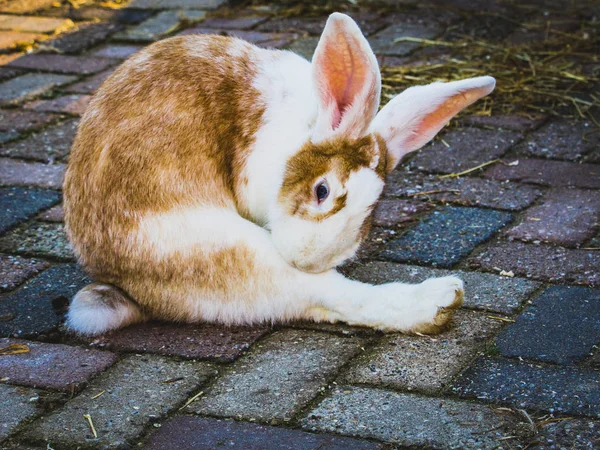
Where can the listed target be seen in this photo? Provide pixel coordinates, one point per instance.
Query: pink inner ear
(345, 69)
(433, 122)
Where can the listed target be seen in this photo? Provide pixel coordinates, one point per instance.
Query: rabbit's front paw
(441, 297)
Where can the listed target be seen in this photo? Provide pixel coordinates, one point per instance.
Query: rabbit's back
(170, 128)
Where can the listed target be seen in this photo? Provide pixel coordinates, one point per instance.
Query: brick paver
(19, 204)
(560, 140)
(461, 190)
(541, 262)
(408, 420)
(18, 120)
(35, 307)
(567, 217)
(30, 85)
(189, 433)
(424, 363)
(14, 270)
(17, 407)
(52, 366)
(560, 326)
(160, 25)
(282, 375)
(90, 84)
(517, 368)
(548, 173)
(445, 237)
(19, 173)
(80, 65)
(49, 145)
(70, 104)
(38, 239)
(205, 341)
(558, 389)
(137, 390)
(83, 37)
(463, 149)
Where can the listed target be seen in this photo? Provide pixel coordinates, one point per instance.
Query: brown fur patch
(169, 128)
(341, 156)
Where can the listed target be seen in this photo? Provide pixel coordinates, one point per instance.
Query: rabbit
(212, 180)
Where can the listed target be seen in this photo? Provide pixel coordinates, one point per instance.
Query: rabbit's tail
(99, 308)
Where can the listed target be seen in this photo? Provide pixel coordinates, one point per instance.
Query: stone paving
(518, 369)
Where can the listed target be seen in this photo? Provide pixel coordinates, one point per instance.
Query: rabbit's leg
(244, 279)
(421, 308)
(101, 307)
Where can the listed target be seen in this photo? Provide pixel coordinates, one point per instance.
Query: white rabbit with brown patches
(211, 180)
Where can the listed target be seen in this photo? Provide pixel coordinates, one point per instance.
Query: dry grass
(554, 75)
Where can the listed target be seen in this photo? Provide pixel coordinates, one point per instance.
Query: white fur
(89, 315)
(280, 244)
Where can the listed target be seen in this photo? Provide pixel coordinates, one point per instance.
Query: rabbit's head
(333, 182)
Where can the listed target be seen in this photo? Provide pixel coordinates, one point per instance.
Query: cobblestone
(187, 432)
(30, 85)
(52, 366)
(80, 65)
(446, 236)
(12, 39)
(408, 420)
(461, 191)
(177, 4)
(237, 23)
(128, 16)
(32, 24)
(85, 36)
(14, 270)
(89, 85)
(305, 47)
(203, 341)
(35, 308)
(13, 120)
(423, 363)
(282, 375)
(19, 204)
(560, 140)
(482, 290)
(557, 389)
(49, 145)
(466, 148)
(38, 239)
(135, 395)
(569, 433)
(17, 408)
(18, 173)
(70, 104)
(560, 265)
(390, 213)
(160, 25)
(567, 217)
(54, 214)
(548, 173)
(6, 73)
(561, 326)
(117, 51)
(24, 6)
(515, 123)
(384, 42)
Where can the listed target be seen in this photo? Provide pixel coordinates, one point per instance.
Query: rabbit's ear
(414, 117)
(346, 75)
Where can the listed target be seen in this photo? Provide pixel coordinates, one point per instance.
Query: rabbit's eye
(321, 191)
